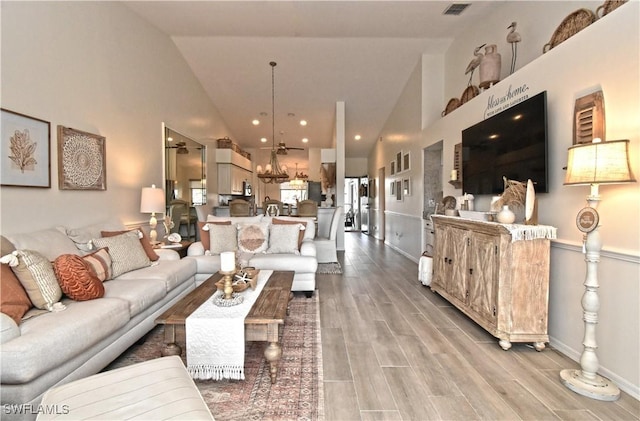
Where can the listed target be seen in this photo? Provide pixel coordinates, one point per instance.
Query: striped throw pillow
(100, 263)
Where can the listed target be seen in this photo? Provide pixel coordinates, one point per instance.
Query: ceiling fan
(182, 147)
(283, 148)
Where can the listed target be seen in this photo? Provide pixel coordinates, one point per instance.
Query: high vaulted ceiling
(359, 52)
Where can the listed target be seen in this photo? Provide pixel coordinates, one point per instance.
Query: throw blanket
(215, 336)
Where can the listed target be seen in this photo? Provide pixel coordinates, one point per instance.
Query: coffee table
(263, 323)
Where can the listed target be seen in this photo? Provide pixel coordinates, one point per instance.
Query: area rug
(329, 268)
(298, 392)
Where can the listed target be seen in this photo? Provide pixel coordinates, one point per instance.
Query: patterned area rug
(298, 392)
(329, 268)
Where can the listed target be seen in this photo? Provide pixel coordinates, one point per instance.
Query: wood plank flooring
(394, 350)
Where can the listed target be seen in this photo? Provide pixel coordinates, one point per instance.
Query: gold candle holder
(228, 284)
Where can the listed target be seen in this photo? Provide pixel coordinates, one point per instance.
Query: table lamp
(594, 164)
(152, 201)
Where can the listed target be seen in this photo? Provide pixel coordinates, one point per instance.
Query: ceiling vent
(456, 9)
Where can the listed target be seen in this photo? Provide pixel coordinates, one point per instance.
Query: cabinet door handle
(470, 271)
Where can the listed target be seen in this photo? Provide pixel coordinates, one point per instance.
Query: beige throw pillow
(222, 238)
(126, 252)
(36, 275)
(283, 238)
(253, 238)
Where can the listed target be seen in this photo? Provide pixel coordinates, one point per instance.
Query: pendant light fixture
(299, 180)
(273, 172)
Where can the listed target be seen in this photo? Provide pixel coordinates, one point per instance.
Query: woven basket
(608, 7)
(570, 26)
(451, 105)
(470, 92)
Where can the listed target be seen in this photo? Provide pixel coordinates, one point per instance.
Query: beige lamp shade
(152, 200)
(599, 163)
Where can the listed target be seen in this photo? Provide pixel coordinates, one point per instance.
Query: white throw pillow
(222, 238)
(126, 252)
(253, 238)
(283, 238)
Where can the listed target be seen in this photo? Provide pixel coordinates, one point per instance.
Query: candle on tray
(228, 261)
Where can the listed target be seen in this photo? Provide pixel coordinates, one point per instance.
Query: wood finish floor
(394, 350)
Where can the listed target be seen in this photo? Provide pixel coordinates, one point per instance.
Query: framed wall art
(392, 167)
(81, 160)
(398, 189)
(25, 151)
(406, 186)
(392, 188)
(399, 162)
(406, 161)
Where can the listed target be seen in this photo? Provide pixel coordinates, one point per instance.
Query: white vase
(506, 215)
(490, 66)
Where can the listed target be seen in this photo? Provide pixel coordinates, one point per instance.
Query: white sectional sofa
(54, 348)
(304, 263)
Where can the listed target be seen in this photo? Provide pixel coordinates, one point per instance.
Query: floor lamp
(152, 201)
(593, 164)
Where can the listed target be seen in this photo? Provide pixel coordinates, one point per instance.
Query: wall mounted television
(512, 143)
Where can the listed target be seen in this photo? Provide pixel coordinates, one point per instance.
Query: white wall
(96, 67)
(591, 60)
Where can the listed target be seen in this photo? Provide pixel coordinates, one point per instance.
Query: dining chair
(239, 207)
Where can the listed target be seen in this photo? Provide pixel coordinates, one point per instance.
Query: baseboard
(624, 385)
(402, 252)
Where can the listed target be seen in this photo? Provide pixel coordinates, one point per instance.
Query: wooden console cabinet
(503, 285)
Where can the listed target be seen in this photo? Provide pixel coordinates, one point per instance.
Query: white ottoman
(159, 389)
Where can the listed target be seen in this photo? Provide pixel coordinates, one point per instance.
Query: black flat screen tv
(512, 143)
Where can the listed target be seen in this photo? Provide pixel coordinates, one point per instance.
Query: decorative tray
(242, 280)
(570, 26)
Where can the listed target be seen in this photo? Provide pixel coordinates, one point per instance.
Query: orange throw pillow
(76, 278)
(145, 241)
(205, 239)
(277, 221)
(14, 301)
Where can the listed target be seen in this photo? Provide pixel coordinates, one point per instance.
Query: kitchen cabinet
(230, 179)
(502, 285)
(233, 170)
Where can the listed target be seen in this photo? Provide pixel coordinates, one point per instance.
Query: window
(198, 192)
(292, 195)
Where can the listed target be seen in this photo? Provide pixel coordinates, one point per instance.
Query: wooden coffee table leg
(170, 346)
(272, 353)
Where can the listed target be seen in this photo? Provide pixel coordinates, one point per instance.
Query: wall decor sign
(25, 150)
(392, 167)
(392, 188)
(81, 160)
(399, 162)
(511, 97)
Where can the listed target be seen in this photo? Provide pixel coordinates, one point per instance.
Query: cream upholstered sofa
(301, 259)
(56, 347)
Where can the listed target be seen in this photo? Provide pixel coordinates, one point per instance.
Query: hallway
(394, 350)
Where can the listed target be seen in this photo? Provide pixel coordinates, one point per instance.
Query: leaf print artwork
(23, 151)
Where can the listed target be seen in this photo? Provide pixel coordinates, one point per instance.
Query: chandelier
(273, 172)
(299, 180)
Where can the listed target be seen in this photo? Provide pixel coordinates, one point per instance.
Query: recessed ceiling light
(517, 116)
(170, 139)
(305, 140)
(255, 122)
(303, 122)
(357, 137)
(493, 136)
(263, 140)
